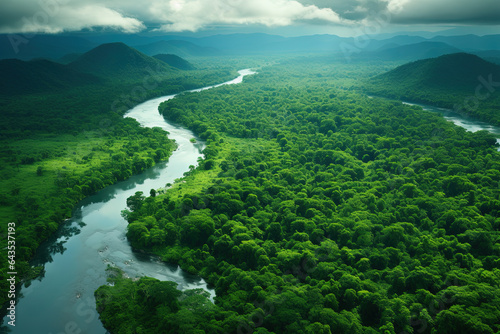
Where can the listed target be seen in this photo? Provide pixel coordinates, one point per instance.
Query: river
(76, 256)
(464, 121)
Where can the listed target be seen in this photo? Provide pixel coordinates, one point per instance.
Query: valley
(304, 205)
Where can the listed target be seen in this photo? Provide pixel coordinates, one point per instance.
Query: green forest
(318, 210)
(61, 144)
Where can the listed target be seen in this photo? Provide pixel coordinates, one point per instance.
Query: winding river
(76, 257)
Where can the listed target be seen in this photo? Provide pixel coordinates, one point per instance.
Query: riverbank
(465, 121)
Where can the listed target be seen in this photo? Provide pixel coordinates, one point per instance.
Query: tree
(135, 201)
(196, 227)
(317, 328)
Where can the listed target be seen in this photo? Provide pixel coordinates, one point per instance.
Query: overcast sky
(346, 17)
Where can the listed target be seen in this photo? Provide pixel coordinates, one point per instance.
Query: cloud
(449, 11)
(416, 11)
(192, 15)
(54, 16)
(354, 10)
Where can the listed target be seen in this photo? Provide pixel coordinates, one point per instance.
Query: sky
(285, 17)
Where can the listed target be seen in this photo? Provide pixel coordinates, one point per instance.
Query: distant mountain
(70, 57)
(395, 41)
(471, 43)
(117, 60)
(175, 61)
(241, 43)
(314, 43)
(416, 51)
(24, 77)
(453, 72)
(183, 49)
(41, 46)
(259, 43)
(492, 56)
(494, 60)
(478, 30)
(56, 46)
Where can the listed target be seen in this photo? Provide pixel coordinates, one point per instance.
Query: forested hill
(456, 72)
(117, 60)
(448, 81)
(175, 61)
(107, 62)
(21, 77)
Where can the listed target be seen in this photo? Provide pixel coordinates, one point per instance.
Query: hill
(415, 51)
(22, 77)
(175, 61)
(378, 44)
(183, 49)
(259, 43)
(68, 58)
(461, 81)
(117, 60)
(471, 43)
(456, 72)
(41, 46)
(492, 56)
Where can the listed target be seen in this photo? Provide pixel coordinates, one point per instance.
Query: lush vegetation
(149, 296)
(319, 210)
(60, 144)
(462, 82)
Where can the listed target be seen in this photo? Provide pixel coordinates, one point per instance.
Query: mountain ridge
(181, 48)
(175, 61)
(118, 60)
(450, 72)
(34, 76)
(416, 51)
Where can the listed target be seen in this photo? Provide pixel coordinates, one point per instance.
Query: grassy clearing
(199, 180)
(53, 156)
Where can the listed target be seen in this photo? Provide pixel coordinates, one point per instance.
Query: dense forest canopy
(319, 210)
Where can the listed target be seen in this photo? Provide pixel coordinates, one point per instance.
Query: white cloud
(449, 11)
(171, 15)
(396, 6)
(54, 16)
(192, 15)
(416, 11)
(88, 16)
